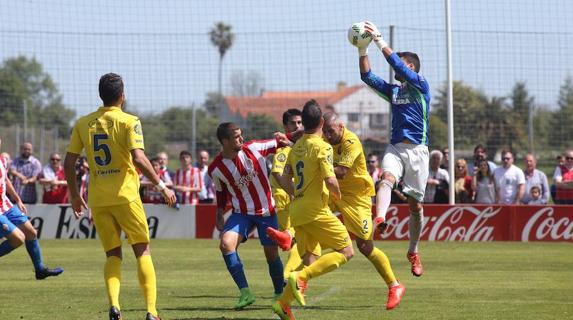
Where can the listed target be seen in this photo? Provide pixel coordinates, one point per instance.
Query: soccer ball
(357, 35)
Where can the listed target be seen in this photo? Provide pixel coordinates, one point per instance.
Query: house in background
(360, 108)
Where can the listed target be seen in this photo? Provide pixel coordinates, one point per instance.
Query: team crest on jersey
(281, 157)
(137, 129)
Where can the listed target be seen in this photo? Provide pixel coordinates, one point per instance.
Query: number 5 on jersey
(98, 145)
(299, 168)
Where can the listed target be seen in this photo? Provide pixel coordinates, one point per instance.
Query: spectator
(83, 176)
(535, 196)
(480, 153)
(207, 194)
(560, 162)
(187, 182)
(462, 183)
(483, 184)
(564, 180)
(164, 166)
(438, 180)
(446, 159)
(534, 177)
(24, 171)
(373, 168)
(509, 181)
(7, 157)
(148, 191)
(53, 179)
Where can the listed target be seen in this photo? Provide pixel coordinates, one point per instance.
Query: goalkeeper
(407, 155)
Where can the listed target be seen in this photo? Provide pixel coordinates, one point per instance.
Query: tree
(562, 123)
(522, 107)
(23, 83)
(213, 104)
(246, 84)
(260, 126)
(221, 37)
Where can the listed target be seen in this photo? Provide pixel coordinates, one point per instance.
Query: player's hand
(77, 205)
(22, 207)
(220, 223)
(282, 139)
(380, 224)
(169, 196)
(375, 34)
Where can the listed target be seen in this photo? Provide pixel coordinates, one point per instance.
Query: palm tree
(222, 37)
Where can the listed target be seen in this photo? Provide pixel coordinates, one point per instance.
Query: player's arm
(76, 199)
(351, 150)
(327, 171)
(145, 167)
(285, 179)
(222, 196)
(333, 187)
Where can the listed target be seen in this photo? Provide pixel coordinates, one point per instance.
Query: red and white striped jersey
(5, 203)
(188, 178)
(245, 178)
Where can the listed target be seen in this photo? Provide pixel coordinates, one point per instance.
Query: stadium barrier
(442, 223)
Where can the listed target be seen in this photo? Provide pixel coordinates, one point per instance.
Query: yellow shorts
(357, 214)
(129, 218)
(325, 232)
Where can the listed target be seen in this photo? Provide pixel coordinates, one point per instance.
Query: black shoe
(47, 272)
(114, 313)
(151, 317)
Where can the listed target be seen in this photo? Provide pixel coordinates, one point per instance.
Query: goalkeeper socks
(415, 228)
(382, 265)
(383, 198)
(293, 261)
(276, 272)
(235, 268)
(33, 248)
(324, 264)
(147, 282)
(5, 248)
(112, 276)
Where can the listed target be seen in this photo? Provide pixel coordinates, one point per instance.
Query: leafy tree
(562, 124)
(438, 133)
(213, 103)
(221, 37)
(260, 126)
(179, 122)
(522, 104)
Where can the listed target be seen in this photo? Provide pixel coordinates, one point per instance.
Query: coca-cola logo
(544, 226)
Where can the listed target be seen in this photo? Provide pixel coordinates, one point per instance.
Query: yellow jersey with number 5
(310, 161)
(108, 135)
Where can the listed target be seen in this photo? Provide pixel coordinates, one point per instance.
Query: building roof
(274, 103)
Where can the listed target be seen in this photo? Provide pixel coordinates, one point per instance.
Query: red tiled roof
(274, 103)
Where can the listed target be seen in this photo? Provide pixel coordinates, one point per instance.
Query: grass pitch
(461, 281)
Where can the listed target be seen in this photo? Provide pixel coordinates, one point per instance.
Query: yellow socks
(324, 264)
(112, 276)
(147, 282)
(293, 261)
(382, 265)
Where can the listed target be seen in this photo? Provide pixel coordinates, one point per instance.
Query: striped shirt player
(407, 157)
(188, 178)
(240, 172)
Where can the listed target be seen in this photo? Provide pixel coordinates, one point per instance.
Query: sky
(162, 49)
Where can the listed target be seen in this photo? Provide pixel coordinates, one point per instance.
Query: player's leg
(415, 177)
(236, 231)
(392, 168)
(271, 251)
(109, 234)
(14, 237)
(21, 220)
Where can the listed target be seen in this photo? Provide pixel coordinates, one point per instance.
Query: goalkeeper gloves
(375, 34)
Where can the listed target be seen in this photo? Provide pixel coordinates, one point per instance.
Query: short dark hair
(480, 146)
(154, 159)
(411, 57)
(290, 113)
(110, 88)
(311, 115)
(185, 153)
(225, 130)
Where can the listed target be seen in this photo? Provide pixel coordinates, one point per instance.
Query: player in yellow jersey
(357, 189)
(310, 163)
(113, 142)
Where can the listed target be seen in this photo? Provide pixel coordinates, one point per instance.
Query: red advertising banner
(458, 223)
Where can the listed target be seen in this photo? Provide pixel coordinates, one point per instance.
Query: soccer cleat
(282, 238)
(114, 313)
(149, 316)
(246, 299)
(283, 311)
(414, 259)
(47, 272)
(380, 224)
(395, 295)
(295, 286)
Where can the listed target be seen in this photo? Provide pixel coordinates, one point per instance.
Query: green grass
(461, 281)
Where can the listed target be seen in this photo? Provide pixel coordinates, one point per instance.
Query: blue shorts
(243, 223)
(10, 220)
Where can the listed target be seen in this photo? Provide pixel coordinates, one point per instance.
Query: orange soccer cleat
(283, 310)
(395, 295)
(282, 238)
(380, 225)
(414, 259)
